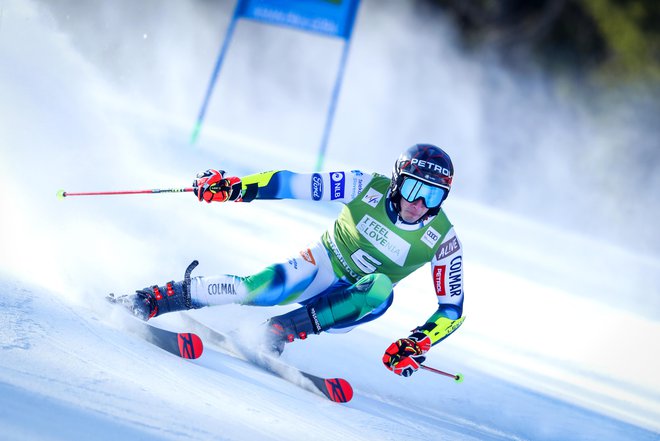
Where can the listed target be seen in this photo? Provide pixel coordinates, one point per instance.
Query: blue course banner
(329, 17)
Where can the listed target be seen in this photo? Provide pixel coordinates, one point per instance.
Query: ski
(338, 390)
(335, 389)
(183, 344)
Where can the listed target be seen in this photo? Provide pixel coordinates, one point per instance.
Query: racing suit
(369, 245)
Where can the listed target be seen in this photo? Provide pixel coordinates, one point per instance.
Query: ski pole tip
(61, 194)
(458, 378)
(195, 133)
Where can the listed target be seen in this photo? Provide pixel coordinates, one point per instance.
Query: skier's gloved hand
(404, 356)
(212, 186)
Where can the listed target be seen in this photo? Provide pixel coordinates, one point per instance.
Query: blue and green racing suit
(368, 242)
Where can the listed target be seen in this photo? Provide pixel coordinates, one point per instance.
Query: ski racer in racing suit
(388, 228)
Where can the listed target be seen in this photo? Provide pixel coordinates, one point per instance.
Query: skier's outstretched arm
(404, 356)
(341, 186)
(447, 273)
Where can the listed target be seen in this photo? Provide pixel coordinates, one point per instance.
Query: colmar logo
(221, 289)
(456, 276)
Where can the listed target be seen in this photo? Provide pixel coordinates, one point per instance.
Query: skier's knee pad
(371, 291)
(352, 304)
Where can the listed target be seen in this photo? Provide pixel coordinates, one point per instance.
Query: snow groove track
(99, 379)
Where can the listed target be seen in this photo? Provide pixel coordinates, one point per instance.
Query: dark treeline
(600, 60)
(599, 41)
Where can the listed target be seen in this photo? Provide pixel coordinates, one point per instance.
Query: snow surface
(544, 352)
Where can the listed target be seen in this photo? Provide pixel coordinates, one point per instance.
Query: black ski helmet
(426, 162)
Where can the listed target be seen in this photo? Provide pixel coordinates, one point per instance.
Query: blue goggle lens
(412, 189)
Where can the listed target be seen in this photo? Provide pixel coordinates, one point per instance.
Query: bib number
(367, 263)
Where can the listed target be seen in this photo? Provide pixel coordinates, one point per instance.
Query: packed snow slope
(560, 340)
(73, 372)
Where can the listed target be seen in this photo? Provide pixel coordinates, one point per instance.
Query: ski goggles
(413, 189)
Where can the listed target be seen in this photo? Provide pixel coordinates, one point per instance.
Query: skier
(388, 228)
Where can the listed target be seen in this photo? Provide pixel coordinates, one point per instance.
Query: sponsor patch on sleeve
(448, 248)
(338, 184)
(317, 187)
(358, 183)
(439, 280)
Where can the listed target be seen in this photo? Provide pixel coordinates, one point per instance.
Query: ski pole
(457, 377)
(63, 194)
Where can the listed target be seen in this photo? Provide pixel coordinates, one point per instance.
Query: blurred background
(548, 109)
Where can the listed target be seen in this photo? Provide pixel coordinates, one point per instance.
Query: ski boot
(285, 328)
(156, 300)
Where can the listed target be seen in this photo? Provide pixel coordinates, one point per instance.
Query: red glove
(212, 186)
(404, 356)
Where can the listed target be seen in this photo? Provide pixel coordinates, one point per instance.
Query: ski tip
(338, 390)
(190, 345)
